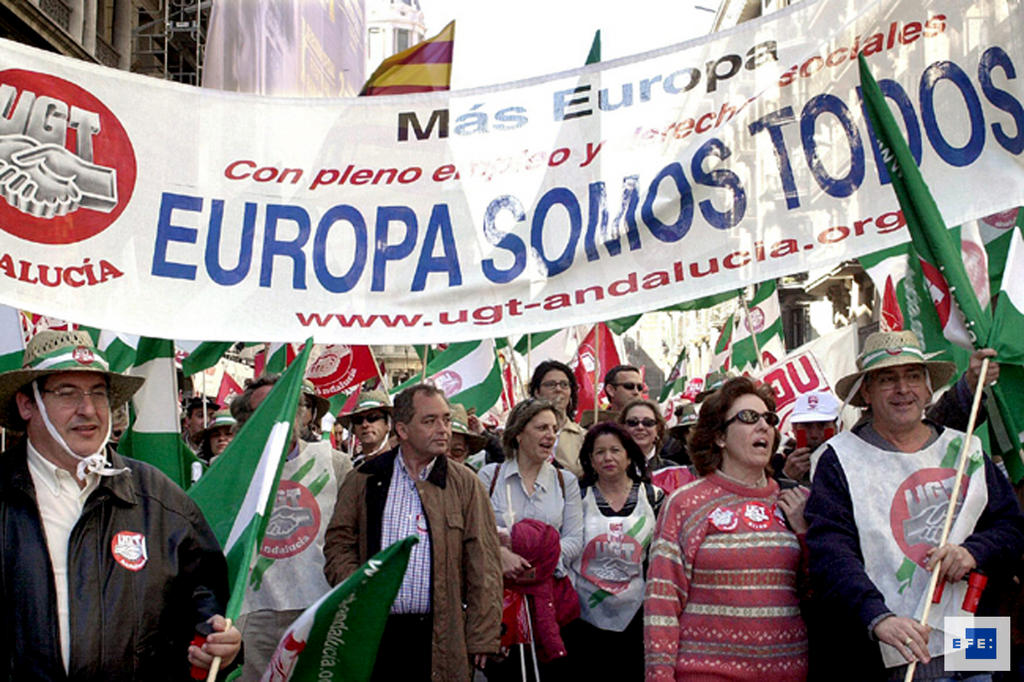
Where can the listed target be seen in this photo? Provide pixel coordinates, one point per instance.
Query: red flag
(229, 388)
(587, 366)
(341, 367)
(515, 619)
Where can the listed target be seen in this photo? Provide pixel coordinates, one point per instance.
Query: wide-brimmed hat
(50, 352)
(320, 405)
(712, 382)
(460, 424)
(220, 418)
(892, 349)
(686, 416)
(815, 406)
(367, 401)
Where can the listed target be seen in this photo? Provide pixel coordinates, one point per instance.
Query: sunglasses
(753, 416)
(630, 386)
(358, 419)
(646, 422)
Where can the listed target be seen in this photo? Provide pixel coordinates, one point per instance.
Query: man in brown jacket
(448, 610)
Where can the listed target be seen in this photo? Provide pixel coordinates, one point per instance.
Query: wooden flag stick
(750, 328)
(597, 365)
(215, 666)
(960, 468)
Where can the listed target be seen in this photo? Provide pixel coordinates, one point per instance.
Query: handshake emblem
(47, 180)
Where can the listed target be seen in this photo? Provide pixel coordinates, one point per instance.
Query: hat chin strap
(95, 463)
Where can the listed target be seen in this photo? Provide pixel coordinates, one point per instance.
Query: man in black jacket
(107, 567)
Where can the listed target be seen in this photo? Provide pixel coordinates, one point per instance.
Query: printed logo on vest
(67, 168)
(293, 524)
(129, 549)
(918, 510)
(612, 560)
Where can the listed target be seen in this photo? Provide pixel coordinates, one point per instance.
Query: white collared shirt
(60, 503)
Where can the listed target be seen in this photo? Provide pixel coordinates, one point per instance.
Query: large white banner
(151, 208)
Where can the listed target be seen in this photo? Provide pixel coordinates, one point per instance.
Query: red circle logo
(293, 524)
(612, 561)
(67, 168)
(83, 355)
(918, 510)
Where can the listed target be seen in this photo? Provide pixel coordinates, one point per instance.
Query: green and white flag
(155, 434)
(337, 637)
(556, 344)
(236, 494)
(119, 349)
(204, 355)
(675, 383)
(1008, 316)
(12, 339)
(763, 321)
(723, 347)
(467, 372)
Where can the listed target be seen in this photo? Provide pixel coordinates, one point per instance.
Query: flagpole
(382, 375)
(753, 334)
(426, 352)
(215, 665)
(529, 352)
(951, 508)
(597, 364)
(515, 367)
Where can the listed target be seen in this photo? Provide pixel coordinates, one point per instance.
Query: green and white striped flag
(204, 356)
(556, 344)
(120, 349)
(358, 608)
(764, 322)
(155, 434)
(675, 383)
(12, 339)
(467, 372)
(1008, 317)
(721, 360)
(236, 494)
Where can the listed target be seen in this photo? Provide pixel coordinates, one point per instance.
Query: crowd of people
(714, 549)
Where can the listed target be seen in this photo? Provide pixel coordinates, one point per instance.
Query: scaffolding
(170, 39)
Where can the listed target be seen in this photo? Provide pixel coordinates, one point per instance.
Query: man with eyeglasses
(370, 422)
(107, 568)
(878, 502)
(288, 576)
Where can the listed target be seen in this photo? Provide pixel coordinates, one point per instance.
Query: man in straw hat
(370, 422)
(107, 567)
(877, 506)
(289, 574)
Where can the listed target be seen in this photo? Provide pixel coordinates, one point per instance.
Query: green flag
(12, 340)
(337, 637)
(155, 433)
(762, 320)
(236, 494)
(675, 383)
(467, 372)
(723, 347)
(952, 292)
(205, 355)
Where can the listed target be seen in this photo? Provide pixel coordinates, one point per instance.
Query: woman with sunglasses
(646, 426)
(620, 506)
(728, 558)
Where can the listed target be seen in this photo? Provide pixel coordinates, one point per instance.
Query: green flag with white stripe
(237, 492)
(468, 373)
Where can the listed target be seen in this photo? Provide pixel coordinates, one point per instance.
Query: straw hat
(892, 349)
(460, 424)
(686, 417)
(320, 405)
(52, 351)
(368, 400)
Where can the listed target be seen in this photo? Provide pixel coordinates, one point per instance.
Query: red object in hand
(202, 631)
(937, 595)
(801, 436)
(976, 582)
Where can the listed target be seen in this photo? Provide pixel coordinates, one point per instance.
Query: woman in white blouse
(528, 486)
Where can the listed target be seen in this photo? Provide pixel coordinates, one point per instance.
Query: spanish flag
(424, 67)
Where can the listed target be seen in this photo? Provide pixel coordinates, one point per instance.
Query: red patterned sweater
(722, 601)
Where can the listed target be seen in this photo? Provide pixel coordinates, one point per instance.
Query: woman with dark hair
(555, 382)
(722, 591)
(214, 439)
(646, 426)
(619, 511)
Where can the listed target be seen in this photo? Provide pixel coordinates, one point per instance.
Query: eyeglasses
(358, 419)
(753, 416)
(630, 386)
(646, 422)
(69, 397)
(563, 384)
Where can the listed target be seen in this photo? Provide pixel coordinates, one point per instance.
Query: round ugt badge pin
(129, 550)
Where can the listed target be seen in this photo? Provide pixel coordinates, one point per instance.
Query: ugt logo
(977, 643)
(67, 168)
